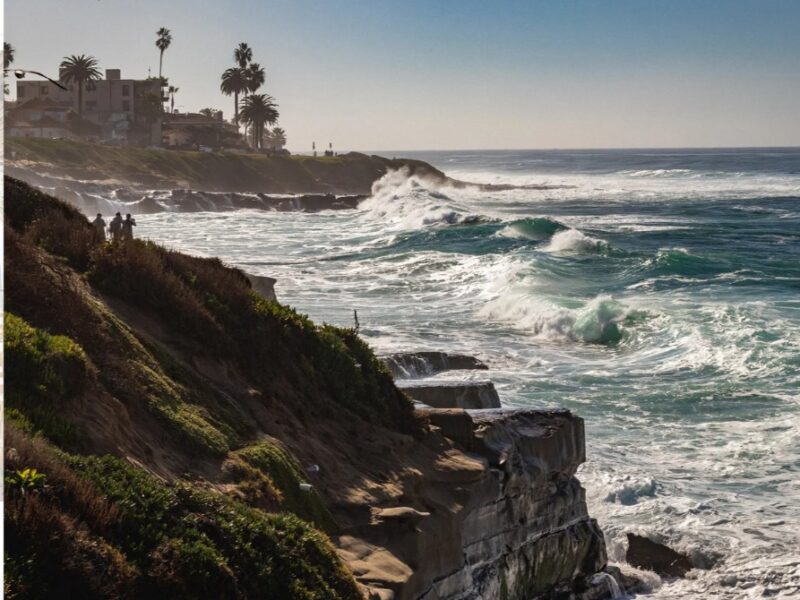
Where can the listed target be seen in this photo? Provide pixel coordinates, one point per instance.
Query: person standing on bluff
(115, 228)
(99, 226)
(127, 227)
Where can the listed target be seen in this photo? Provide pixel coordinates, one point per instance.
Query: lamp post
(21, 73)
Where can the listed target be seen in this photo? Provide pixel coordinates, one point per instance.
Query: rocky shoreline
(255, 405)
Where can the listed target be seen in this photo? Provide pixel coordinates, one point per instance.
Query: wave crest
(599, 322)
(573, 241)
(534, 229)
(408, 201)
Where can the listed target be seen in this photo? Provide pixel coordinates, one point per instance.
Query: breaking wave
(600, 321)
(400, 200)
(573, 241)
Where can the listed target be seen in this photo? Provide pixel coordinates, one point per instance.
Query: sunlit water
(658, 298)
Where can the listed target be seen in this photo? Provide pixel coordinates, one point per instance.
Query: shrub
(43, 372)
(48, 222)
(42, 366)
(286, 475)
(177, 530)
(137, 271)
(102, 528)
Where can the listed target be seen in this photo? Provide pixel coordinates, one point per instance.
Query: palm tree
(163, 41)
(8, 58)
(259, 110)
(8, 54)
(242, 55)
(255, 77)
(234, 81)
(278, 138)
(79, 70)
(172, 91)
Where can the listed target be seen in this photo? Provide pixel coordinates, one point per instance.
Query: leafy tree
(234, 81)
(163, 41)
(259, 110)
(79, 70)
(208, 112)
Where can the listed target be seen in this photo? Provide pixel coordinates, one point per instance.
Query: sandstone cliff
(200, 440)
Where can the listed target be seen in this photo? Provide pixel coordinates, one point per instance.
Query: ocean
(656, 293)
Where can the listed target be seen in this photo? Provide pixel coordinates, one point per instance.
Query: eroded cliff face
(499, 516)
(191, 380)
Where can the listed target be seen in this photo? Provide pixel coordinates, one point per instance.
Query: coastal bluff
(504, 519)
(352, 173)
(193, 437)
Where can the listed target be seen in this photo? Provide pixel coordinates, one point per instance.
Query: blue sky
(446, 74)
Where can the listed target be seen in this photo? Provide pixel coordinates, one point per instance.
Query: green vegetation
(106, 529)
(43, 372)
(101, 344)
(283, 476)
(216, 306)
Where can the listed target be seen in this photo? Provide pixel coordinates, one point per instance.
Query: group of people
(119, 229)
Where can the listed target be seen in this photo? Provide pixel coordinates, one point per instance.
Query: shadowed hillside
(170, 433)
(351, 173)
(148, 396)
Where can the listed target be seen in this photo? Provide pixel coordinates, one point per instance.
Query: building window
(91, 104)
(126, 105)
(20, 92)
(126, 91)
(43, 90)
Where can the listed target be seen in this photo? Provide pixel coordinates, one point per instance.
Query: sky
(459, 74)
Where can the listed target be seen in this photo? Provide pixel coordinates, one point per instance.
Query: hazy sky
(447, 74)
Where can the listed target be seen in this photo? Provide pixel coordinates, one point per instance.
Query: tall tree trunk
(236, 110)
(160, 62)
(80, 99)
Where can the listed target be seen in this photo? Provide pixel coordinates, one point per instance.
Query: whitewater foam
(575, 242)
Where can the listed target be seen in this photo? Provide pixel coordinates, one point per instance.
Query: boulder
(456, 395)
(644, 553)
(404, 365)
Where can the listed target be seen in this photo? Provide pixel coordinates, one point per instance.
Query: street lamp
(21, 73)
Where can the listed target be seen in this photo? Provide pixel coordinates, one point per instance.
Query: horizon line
(572, 149)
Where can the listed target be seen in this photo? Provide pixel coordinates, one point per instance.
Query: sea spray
(400, 200)
(598, 322)
(573, 241)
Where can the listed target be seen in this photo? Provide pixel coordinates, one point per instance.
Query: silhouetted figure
(115, 227)
(99, 229)
(127, 227)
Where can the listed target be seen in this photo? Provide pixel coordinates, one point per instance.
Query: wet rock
(647, 554)
(456, 395)
(424, 364)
